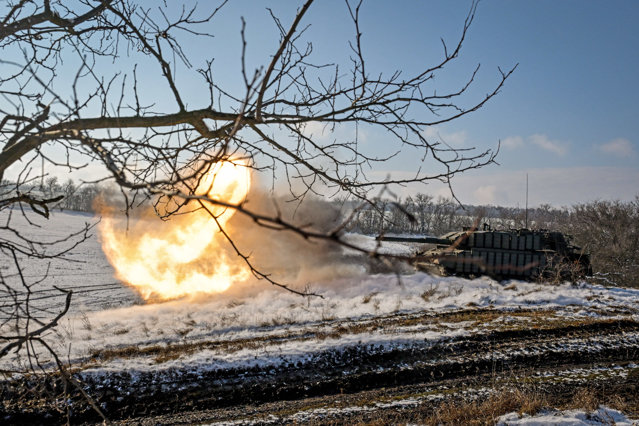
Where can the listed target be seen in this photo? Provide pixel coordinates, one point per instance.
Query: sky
(567, 117)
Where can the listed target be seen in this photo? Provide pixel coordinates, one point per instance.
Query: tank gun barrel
(420, 240)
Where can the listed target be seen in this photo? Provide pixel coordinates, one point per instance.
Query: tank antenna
(526, 226)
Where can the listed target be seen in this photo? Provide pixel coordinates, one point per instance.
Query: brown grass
(486, 411)
(426, 295)
(528, 319)
(586, 399)
(368, 297)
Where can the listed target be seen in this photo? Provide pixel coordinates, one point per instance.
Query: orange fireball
(185, 255)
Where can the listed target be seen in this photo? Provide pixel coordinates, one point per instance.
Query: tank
(516, 253)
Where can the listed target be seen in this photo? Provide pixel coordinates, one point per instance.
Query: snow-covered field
(601, 416)
(84, 269)
(256, 325)
(271, 313)
(107, 314)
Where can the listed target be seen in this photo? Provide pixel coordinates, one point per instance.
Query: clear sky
(568, 116)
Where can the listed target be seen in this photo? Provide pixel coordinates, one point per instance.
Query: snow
(84, 269)
(276, 314)
(107, 315)
(273, 316)
(602, 416)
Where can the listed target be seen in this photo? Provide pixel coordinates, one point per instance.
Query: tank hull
(514, 254)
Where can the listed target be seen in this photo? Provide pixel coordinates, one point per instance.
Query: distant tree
(423, 212)
(69, 201)
(51, 187)
(86, 196)
(609, 231)
(546, 216)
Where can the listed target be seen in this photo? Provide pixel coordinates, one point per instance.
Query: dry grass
(486, 411)
(368, 297)
(531, 402)
(426, 295)
(501, 402)
(586, 399)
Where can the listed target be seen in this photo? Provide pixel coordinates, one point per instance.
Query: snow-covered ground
(601, 416)
(107, 316)
(84, 269)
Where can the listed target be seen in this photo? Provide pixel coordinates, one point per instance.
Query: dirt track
(366, 382)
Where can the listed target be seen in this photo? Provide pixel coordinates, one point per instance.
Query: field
(377, 348)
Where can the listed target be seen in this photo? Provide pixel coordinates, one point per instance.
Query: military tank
(516, 253)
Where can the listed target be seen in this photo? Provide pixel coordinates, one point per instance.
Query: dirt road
(548, 352)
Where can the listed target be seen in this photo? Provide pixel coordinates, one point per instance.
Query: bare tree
(150, 147)
(609, 231)
(65, 104)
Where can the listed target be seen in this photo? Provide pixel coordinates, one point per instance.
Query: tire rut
(361, 368)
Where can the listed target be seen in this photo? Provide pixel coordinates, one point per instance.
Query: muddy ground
(534, 352)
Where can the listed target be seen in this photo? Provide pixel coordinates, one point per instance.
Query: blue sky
(568, 116)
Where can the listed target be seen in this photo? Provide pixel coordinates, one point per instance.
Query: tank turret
(515, 253)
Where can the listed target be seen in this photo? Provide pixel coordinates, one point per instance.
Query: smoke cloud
(285, 255)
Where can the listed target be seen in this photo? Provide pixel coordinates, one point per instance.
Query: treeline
(414, 215)
(424, 214)
(79, 197)
(608, 230)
